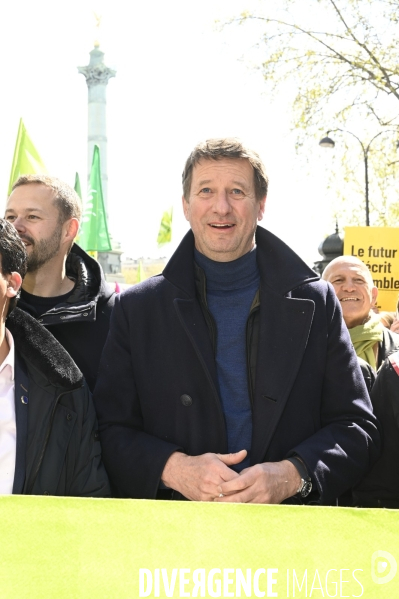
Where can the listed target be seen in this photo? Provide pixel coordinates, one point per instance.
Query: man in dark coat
(64, 288)
(49, 443)
(380, 487)
(231, 376)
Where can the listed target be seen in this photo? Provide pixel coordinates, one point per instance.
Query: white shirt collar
(10, 358)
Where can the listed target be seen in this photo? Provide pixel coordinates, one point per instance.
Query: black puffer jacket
(58, 448)
(81, 323)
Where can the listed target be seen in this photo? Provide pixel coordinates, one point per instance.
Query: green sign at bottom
(109, 548)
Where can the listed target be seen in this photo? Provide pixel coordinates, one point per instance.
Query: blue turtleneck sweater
(230, 290)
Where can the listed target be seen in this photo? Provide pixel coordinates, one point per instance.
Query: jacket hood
(37, 346)
(90, 281)
(90, 291)
(285, 268)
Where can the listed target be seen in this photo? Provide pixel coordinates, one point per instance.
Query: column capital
(97, 75)
(96, 72)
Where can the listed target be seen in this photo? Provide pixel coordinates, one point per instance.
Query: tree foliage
(341, 59)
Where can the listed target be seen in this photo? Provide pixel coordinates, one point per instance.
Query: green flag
(77, 187)
(93, 235)
(165, 230)
(26, 159)
(140, 273)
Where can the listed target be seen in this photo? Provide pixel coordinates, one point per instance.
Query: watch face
(306, 488)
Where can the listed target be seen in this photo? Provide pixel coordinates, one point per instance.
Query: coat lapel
(284, 330)
(21, 417)
(180, 272)
(192, 320)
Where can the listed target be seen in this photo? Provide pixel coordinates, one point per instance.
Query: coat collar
(38, 347)
(179, 271)
(280, 268)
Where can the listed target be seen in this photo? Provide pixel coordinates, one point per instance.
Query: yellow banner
(67, 548)
(378, 248)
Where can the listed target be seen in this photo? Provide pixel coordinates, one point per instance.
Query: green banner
(93, 234)
(165, 229)
(108, 548)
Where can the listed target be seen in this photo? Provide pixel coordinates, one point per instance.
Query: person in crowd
(357, 294)
(387, 318)
(49, 443)
(64, 288)
(369, 374)
(231, 376)
(380, 487)
(395, 323)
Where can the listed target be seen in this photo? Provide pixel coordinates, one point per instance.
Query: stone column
(97, 76)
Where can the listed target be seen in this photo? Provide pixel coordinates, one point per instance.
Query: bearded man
(64, 287)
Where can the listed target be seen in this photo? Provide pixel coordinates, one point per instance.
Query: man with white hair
(357, 294)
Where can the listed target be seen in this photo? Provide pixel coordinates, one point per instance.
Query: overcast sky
(180, 79)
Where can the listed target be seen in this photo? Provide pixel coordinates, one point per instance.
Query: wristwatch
(305, 486)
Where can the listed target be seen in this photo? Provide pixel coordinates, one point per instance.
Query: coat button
(186, 400)
(68, 417)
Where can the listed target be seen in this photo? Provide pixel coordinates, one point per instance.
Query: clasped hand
(208, 477)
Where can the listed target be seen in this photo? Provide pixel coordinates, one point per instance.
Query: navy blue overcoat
(309, 397)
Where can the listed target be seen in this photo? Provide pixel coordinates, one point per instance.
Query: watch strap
(306, 481)
(300, 466)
